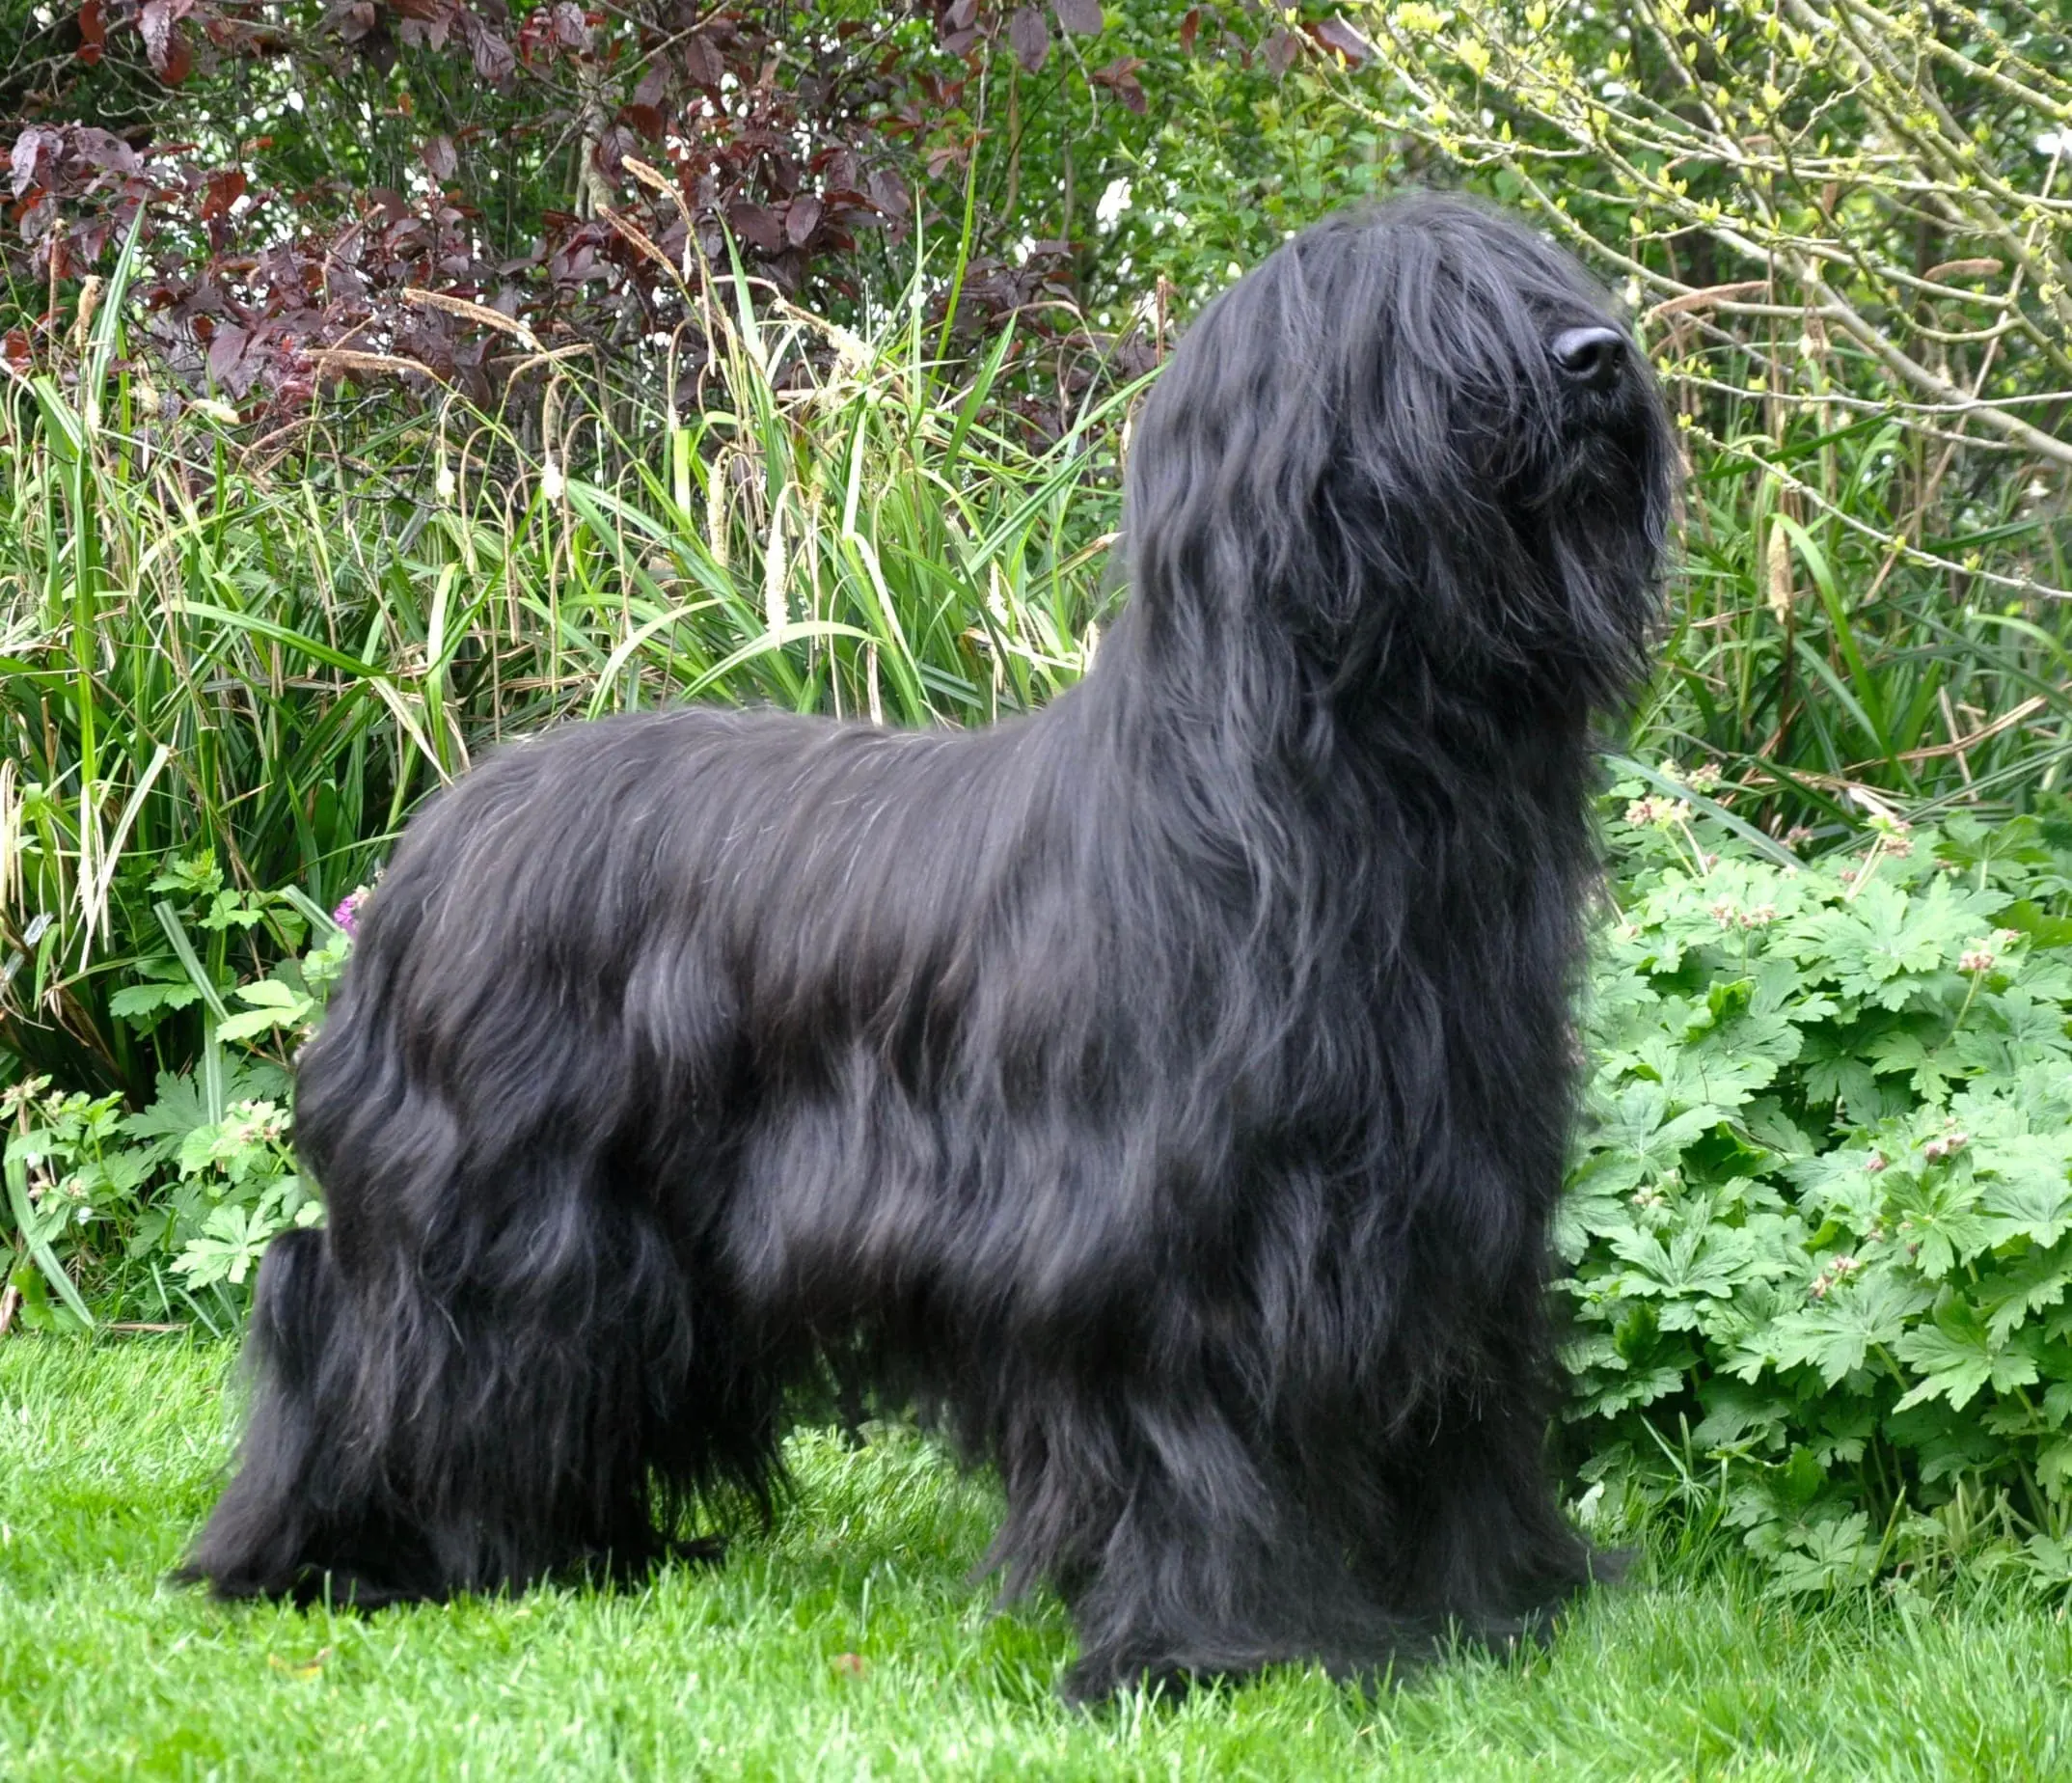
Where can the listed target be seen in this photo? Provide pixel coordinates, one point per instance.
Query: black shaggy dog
(1169, 1089)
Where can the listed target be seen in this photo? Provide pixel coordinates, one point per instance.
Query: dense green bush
(1821, 1221)
(1844, 234)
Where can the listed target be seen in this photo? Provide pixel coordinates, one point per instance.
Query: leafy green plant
(1819, 1223)
(180, 1197)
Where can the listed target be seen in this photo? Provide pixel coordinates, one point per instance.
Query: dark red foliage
(699, 134)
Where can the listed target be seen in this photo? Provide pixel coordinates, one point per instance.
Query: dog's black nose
(1593, 357)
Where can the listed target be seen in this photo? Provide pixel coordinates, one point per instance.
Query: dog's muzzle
(1592, 357)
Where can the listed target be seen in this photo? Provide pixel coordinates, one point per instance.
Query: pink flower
(348, 914)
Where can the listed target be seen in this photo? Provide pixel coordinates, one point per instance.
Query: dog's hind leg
(551, 1350)
(492, 1397)
(295, 1510)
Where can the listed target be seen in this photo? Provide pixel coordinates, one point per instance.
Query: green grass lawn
(850, 1642)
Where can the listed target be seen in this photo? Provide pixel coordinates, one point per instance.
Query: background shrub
(1819, 1225)
(272, 658)
(1847, 229)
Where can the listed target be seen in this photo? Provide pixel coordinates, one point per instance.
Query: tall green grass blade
(39, 1247)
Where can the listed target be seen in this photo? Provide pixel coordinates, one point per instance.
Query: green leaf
(2053, 1466)
(1635, 1120)
(195, 874)
(250, 1021)
(2009, 1030)
(1594, 1202)
(1712, 1081)
(1939, 1220)
(275, 1004)
(1641, 1387)
(1834, 1069)
(2042, 929)
(134, 1001)
(2020, 1290)
(2023, 1189)
(1877, 945)
(1836, 1336)
(197, 1150)
(1836, 1555)
(271, 994)
(1738, 1414)
(2048, 1557)
(175, 1111)
(1929, 1072)
(1697, 1262)
(1958, 1356)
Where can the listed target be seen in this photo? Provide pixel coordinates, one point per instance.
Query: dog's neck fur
(1396, 751)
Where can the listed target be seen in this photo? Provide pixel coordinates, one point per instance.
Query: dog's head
(1419, 437)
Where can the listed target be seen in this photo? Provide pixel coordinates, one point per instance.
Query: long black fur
(1170, 1088)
